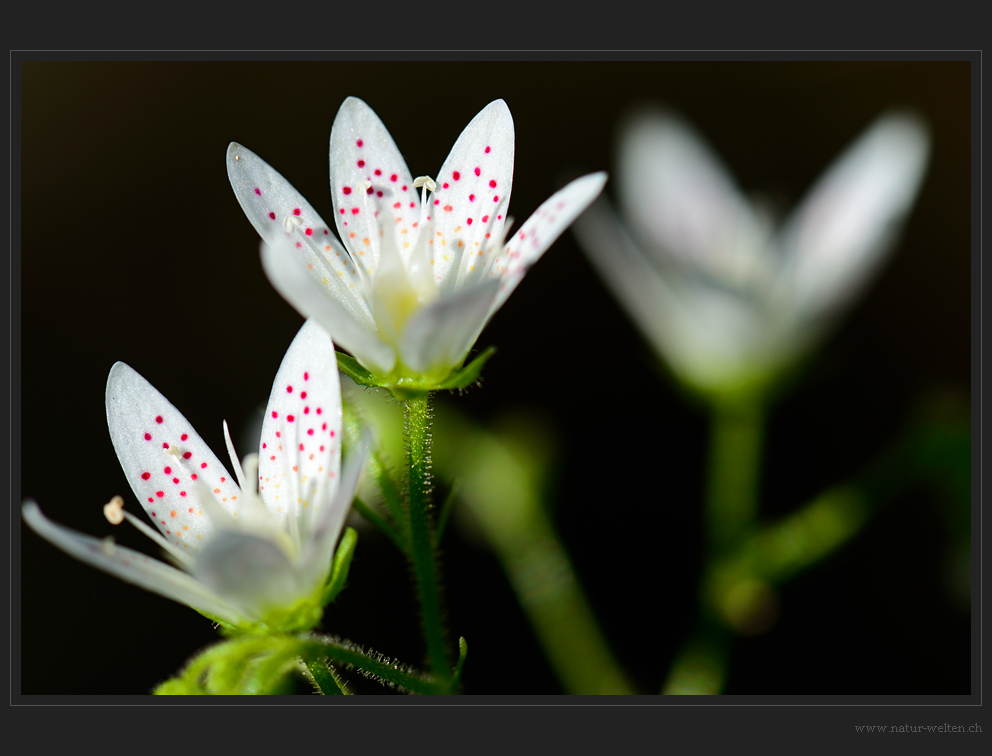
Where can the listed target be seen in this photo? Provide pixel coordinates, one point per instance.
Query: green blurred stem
(736, 438)
(419, 416)
(733, 475)
(501, 489)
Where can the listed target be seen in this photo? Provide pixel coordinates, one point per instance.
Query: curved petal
(249, 572)
(164, 459)
(842, 230)
(319, 550)
(289, 275)
(362, 151)
(710, 338)
(275, 208)
(473, 191)
(439, 336)
(299, 457)
(540, 231)
(679, 199)
(130, 566)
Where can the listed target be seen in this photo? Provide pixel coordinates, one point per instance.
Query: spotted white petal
(368, 173)
(289, 276)
(681, 200)
(472, 192)
(300, 449)
(540, 231)
(165, 459)
(439, 336)
(275, 209)
(130, 566)
(847, 223)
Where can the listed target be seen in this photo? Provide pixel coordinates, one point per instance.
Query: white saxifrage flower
(423, 265)
(255, 551)
(725, 298)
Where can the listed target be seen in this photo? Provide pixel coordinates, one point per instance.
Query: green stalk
(736, 436)
(419, 416)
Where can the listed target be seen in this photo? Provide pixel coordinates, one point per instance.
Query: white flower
(245, 558)
(418, 277)
(727, 300)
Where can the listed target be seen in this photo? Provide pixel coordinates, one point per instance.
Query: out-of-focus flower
(418, 277)
(725, 298)
(251, 553)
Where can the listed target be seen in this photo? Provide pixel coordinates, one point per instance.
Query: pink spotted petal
(164, 458)
(473, 191)
(275, 208)
(299, 457)
(540, 231)
(362, 150)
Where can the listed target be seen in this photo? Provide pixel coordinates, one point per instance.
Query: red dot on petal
(145, 476)
(471, 198)
(184, 437)
(187, 455)
(148, 437)
(478, 170)
(310, 432)
(324, 426)
(193, 476)
(264, 445)
(175, 480)
(303, 395)
(290, 418)
(203, 466)
(165, 446)
(492, 183)
(306, 376)
(456, 175)
(394, 177)
(181, 493)
(158, 419)
(306, 410)
(332, 434)
(275, 414)
(168, 470)
(309, 232)
(297, 211)
(258, 191)
(289, 389)
(469, 221)
(487, 150)
(322, 448)
(485, 218)
(369, 190)
(299, 245)
(444, 185)
(272, 216)
(301, 447)
(361, 163)
(354, 211)
(347, 190)
(378, 172)
(160, 494)
(319, 410)
(342, 212)
(359, 142)
(495, 198)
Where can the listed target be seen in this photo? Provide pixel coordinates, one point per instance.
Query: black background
(134, 248)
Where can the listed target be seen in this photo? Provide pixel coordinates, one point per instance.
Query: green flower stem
(371, 664)
(499, 479)
(736, 438)
(378, 520)
(324, 679)
(419, 415)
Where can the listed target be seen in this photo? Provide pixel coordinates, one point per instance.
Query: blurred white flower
(418, 277)
(725, 298)
(246, 558)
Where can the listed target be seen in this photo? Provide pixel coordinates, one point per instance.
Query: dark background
(134, 248)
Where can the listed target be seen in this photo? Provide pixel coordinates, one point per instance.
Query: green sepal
(405, 387)
(350, 367)
(465, 376)
(340, 565)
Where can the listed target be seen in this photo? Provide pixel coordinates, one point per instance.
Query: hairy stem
(419, 418)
